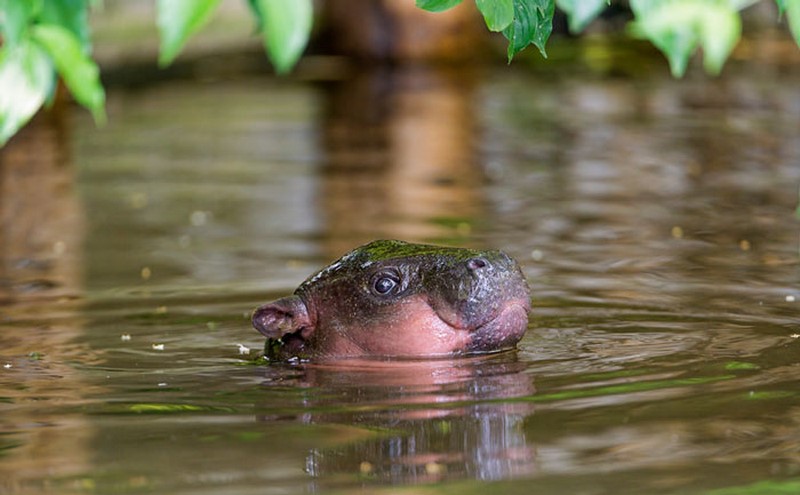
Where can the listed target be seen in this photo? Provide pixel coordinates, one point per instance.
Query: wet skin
(396, 299)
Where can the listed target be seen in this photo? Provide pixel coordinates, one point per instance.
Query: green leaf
(71, 14)
(285, 28)
(581, 12)
(792, 9)
(256, 10)
(78, 70)
(17, 16)
(721, 30)
(26, 78)
(437, 5)
(533, 23)
(679, 27)
(781, 6)
(177, 21)
(498, 14)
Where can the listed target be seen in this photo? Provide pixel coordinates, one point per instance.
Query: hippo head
(396, 299)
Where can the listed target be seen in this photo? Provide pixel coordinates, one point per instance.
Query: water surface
(654, 219)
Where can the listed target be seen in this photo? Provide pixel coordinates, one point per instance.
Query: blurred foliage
(581, 12)
(177, 21)
(679, 27)
(40, 40)
(44, 40)
(285, 28)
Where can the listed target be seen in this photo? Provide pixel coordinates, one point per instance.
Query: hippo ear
(281, 317)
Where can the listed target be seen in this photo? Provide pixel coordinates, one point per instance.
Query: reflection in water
(391, 30)
(41, 227)
(644, 212)
(430, 420)
(41, 262)
(399, 157)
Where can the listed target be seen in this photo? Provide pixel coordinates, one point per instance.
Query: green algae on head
(397, 299)
(393, 250)
(389, 249)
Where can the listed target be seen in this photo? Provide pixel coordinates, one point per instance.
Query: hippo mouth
(503, 330)
(500, 330)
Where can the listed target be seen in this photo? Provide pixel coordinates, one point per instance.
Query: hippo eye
(384, 283)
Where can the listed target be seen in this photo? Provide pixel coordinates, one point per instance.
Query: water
(653, 217)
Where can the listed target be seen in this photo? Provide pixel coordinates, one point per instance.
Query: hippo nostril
(475, 264)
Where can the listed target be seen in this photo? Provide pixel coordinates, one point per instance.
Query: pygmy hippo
(397, 299)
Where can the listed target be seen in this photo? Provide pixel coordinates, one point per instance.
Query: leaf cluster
(284, 27)
(522, 22)
(42, 38)
(676, 27)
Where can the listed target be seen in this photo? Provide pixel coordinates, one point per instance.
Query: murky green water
(654, 219)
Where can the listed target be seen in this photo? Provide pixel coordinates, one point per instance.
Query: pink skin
(415, 328)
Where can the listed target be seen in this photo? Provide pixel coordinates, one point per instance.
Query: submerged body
(397, 299)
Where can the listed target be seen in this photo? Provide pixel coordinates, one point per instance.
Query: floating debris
(199, 218)
(158, 347)
(243, 349)
(125, 337)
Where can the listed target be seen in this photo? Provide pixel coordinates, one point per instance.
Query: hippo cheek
(416, 331)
